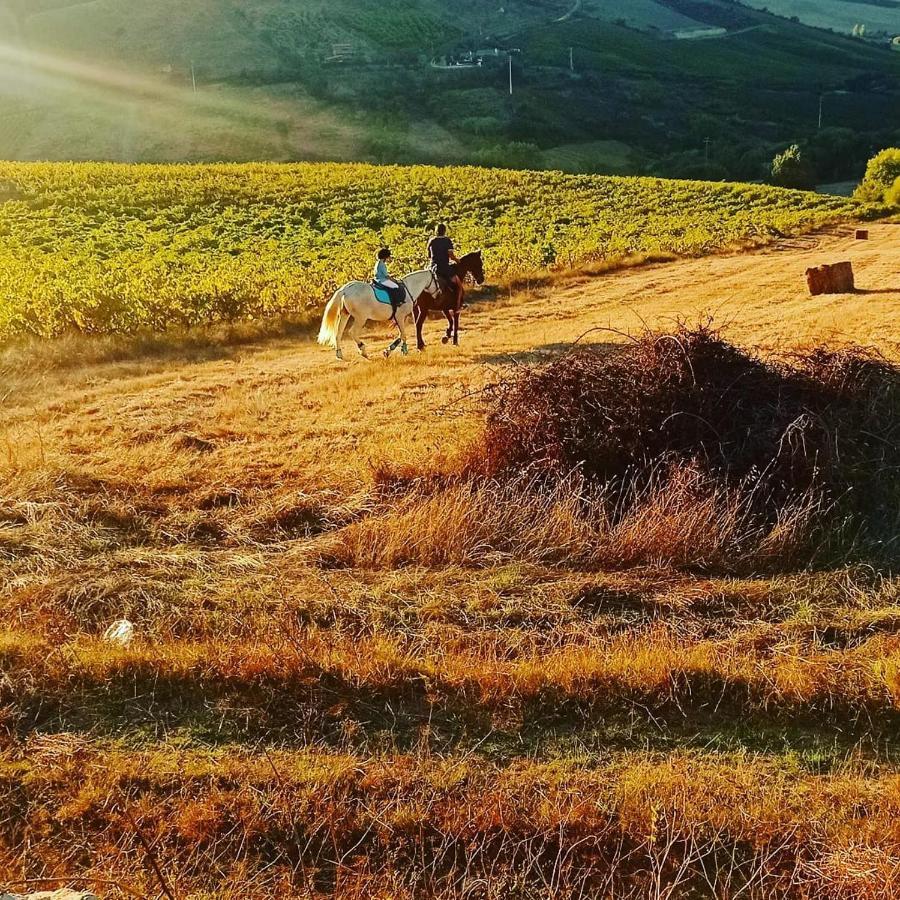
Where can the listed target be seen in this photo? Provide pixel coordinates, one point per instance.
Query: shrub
(882, 179)
(892, 198)
(790, 169)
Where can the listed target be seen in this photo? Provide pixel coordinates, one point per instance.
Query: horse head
(474, 265)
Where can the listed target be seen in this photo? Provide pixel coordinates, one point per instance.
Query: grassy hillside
(272, 85)
(118, 248)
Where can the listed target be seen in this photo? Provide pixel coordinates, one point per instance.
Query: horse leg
(460, 297)
(400, 342)
(446, 338)
(355, 330)
(401, 325)
(342, 322)
(421, 314)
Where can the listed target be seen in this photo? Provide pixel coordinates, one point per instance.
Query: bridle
(434, 288)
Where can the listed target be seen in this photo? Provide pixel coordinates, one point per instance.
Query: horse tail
(331, 321)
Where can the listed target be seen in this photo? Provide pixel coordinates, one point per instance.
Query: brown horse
(449, 303)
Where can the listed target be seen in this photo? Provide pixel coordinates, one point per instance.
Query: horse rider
(382, 279)
(442, 257)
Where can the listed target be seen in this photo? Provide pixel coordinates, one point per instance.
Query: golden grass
(746, 672)
(683, 520)
(294, 819)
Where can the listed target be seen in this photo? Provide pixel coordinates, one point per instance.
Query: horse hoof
(340, 355)
(386, 354)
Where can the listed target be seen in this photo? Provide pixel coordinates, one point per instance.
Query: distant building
(341, 53)
(694, 34)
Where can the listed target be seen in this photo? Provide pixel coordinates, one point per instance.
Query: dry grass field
(342, 684)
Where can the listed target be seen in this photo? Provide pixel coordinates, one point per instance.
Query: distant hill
(681, 87)
(881, 17)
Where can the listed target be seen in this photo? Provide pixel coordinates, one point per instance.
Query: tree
(837, 154)
(513, 155)
(790, 169)
(882, 177)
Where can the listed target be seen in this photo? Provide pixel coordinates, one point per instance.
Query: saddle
(396, 298)
(444, 275)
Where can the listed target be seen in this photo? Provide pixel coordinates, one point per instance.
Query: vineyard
(113, 249)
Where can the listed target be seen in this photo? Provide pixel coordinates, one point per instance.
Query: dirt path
(759, 298)
(579, 5)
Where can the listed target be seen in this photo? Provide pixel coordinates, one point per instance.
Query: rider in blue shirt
(382, 278)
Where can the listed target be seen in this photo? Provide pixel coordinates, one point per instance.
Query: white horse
(357, 301)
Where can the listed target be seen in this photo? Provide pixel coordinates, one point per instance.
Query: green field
(111, 248)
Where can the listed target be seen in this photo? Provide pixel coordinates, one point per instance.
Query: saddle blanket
(382, 296)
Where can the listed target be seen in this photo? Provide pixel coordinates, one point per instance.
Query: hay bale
(831, 279)
(842, 278)
(816, 281)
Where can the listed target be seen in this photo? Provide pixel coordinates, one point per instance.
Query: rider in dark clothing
(442, 255)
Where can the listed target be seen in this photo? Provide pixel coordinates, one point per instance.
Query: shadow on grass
(192, 345)
(549, 352)
(702, 713)
(816, 744)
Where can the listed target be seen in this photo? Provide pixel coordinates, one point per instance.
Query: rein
(434, 283)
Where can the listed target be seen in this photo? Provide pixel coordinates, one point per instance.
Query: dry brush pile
(675, 447)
